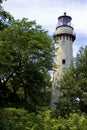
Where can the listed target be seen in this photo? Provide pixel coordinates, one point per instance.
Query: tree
(25, 55)
(21, 119)
(5, 17)
(1, 1)
(73, 90)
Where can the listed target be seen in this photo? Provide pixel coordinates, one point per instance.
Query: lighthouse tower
(64, 37)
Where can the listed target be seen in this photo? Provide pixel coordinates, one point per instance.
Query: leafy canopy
(26, 58)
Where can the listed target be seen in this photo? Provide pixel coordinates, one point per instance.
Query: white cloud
(46, 12)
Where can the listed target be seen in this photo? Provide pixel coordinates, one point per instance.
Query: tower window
(63, 37)
(60, 37)
(67, 37)
(63, 61)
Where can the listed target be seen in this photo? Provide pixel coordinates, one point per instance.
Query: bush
(20, 119)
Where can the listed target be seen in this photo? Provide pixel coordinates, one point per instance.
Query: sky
(46, 13)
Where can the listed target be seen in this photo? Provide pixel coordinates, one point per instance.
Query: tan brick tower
(63, 36)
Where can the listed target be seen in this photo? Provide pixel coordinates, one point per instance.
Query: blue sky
(46, 12)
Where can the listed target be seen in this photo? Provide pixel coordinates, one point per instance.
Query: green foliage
(26, 58)
(20, 119)
(5, 17)
(1, 1)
